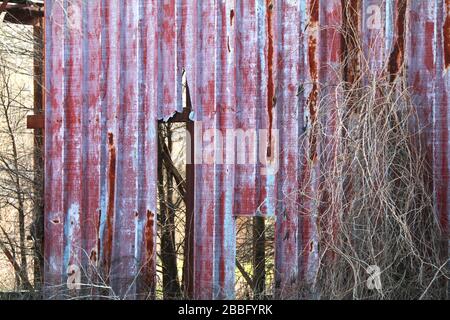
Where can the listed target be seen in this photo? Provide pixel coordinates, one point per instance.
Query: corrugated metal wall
(104, 83)
(113, 68)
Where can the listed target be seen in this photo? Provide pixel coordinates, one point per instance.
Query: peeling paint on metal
(114, 69)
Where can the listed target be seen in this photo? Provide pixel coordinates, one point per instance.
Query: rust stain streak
(350, 17)
(107, 247)
(397, 55)
(93, 257)
(149, 249)
(98, 232)
(314, 74)
(446, 35)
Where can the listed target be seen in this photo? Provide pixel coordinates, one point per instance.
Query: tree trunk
(171, 286)
(14, 173)
(259, 258)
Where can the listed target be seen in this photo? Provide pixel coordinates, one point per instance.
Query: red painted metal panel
(374, 25)
(54, 142)
(90, 211)
(146, 239)
(225, 255)
(246, 107)
(189, 52)
(101, 146)
(205, 186)
(330, 78)
(441, 119)
(167, 53)
(266, 115)
(109, 155)
(422, 69)
(72, 166)
(123, 267)
(308, 157)
(429, 80)
(287, 106)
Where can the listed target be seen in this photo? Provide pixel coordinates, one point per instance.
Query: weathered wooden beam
(35, 121)
(23, 14)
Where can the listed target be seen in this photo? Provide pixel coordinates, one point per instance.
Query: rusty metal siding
(287, 107)
(205, 255)
(101, 144)
(54, 220)
(114, 69)
(308, 181)
(422, 68)
(441, 117)
(226, 100)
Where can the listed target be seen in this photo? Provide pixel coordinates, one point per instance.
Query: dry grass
(375, 206)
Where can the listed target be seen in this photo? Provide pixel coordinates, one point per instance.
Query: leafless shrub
(375, 205)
